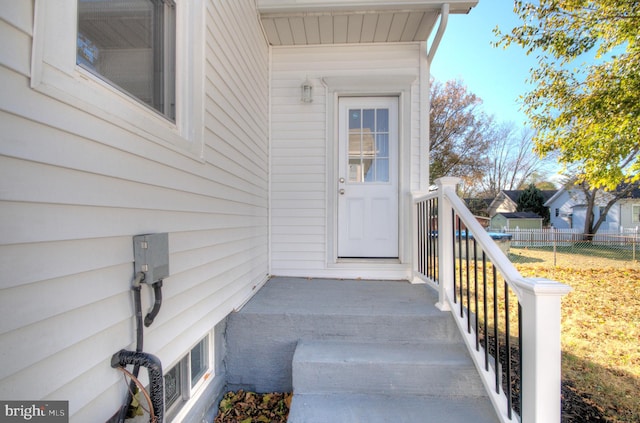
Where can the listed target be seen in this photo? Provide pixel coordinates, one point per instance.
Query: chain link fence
(571, 248)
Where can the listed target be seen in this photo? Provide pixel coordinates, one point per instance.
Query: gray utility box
(151, 255)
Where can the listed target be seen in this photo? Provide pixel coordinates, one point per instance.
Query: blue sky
(496, 75)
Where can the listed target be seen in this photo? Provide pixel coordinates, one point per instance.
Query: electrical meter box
(151, 255)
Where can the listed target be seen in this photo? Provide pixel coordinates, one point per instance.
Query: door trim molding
(399, 86)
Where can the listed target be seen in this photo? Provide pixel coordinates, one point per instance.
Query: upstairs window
(602, 212)
(131, 44)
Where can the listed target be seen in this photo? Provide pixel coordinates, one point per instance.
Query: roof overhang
(292, 6)
(306, 22)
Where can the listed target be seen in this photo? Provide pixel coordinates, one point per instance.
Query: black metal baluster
(507, 346)
(485, 311)
(434, 239)
(459, 238)
(427, 234)
(475, 291)
(429, 243)
(460, 263)
(496, 343)
(520, 365)
(466, 246)
(425, 241)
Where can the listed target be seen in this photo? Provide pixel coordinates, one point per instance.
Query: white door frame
(373, 231)
(369, 86)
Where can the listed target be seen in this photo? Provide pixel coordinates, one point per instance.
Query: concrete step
(359, 408)
(437, 369)
(262, 337)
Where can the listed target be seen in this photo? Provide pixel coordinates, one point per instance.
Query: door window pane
(368, 121)
(354, 145)
(368, 145)
(355, 121)
(382, 145)
(382, 120)
(382, 170)
(369, 170)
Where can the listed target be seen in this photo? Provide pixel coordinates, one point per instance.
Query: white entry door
(368, 177)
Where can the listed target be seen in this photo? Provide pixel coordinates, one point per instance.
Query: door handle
(341, 192)
(341, 180)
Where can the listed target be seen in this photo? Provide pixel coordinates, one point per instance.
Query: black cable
(137, 302)
(154, 366)
(138, 307)
(157, 293)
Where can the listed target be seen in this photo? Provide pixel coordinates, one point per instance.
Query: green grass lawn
(600, 328)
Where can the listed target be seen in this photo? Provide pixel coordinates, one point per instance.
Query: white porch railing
(476, 282)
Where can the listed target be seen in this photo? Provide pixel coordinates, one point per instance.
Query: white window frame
(601, 212)
(161, 96)
(54, 72)
(635, 213)
(189, 391)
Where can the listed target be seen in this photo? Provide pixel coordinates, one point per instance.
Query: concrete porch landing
(352, 350)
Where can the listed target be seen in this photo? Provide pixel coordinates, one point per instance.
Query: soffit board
(308, 22)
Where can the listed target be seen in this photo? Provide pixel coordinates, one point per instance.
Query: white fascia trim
(298, 6)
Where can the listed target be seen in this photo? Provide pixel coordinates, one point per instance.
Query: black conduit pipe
(137, 302)
(154, 367)
(157, 293)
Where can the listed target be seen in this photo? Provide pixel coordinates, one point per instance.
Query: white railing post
(445, 242)
(414, 242)
(541, 350)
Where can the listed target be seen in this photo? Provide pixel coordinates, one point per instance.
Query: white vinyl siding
(300, 229)
(75, 189)
(629, 213)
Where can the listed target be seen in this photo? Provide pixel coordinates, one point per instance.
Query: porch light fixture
(306, 91)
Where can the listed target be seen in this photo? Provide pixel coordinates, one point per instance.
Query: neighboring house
(515, 220)
(507, 201)
(568, 210)
(257, 159)
(561, 209)
(478, 206)
(630, 211)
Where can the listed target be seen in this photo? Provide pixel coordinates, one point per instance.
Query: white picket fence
(550, 237)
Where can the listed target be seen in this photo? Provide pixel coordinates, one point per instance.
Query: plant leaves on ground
(600, 340)
(250, 407)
